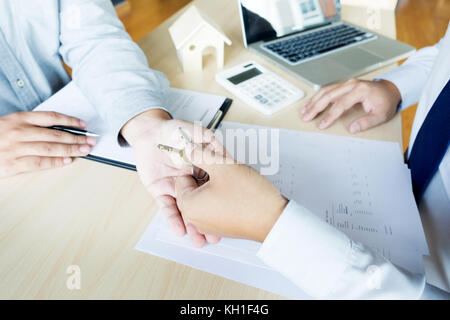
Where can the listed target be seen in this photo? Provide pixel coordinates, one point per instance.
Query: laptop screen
(269, 19)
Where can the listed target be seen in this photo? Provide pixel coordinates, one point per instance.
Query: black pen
(76, 131)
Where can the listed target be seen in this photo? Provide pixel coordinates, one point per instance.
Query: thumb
(184, 185)
(366, 122)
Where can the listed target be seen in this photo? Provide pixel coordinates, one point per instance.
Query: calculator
(258, 87)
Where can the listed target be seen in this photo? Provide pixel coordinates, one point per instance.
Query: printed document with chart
(362, 187)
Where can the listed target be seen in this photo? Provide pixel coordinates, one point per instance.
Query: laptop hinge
(297, 32)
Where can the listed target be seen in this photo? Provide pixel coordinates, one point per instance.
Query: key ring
(205, 177)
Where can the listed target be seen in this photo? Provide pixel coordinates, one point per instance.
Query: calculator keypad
(259, 88)
(268, 90)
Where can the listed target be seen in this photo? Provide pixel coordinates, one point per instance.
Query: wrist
(143, 123)
(394, 91)
(269, 219)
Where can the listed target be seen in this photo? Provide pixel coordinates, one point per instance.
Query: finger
(163, 186)
(318, 95)
(35, 134)
(338, 108)
(197, 239)
(213, 239)
(163, 191)
(202, 137)
(199, 134)
(324, 100)
(50, 118)
(170, 211)
(207, 159)
(27, 164)
(201, 176)
(184, 185)
(366, 122)
(51, 149)
(322, 103)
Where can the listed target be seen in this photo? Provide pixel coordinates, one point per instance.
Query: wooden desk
(92, 215)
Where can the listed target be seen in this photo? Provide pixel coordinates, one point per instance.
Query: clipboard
(213, 125)
(209, 109)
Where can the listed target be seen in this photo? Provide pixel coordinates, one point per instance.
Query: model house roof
(187, 26)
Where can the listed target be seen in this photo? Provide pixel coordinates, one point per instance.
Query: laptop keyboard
(315, 43)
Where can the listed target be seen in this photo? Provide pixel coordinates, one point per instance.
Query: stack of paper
(361, 187)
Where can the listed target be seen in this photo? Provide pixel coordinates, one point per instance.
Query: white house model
(194, 36)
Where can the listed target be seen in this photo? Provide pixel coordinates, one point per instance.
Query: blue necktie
(431, 143)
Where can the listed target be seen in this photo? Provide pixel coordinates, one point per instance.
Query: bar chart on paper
(361, 187)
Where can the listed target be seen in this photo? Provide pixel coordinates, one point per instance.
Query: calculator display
(244, 76)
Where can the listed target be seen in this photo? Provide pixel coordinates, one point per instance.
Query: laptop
(309, 39)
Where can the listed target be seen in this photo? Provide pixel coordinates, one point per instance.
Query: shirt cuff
(405, 79)
(325, 263)
(125, 117)
(306, 250)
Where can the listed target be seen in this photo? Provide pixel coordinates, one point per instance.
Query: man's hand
(236, 202)
(27, 144)
(159, 169)
(379, 100)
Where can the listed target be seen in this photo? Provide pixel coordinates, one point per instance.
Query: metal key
(180, 152)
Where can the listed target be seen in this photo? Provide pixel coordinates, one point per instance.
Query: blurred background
(419, 23)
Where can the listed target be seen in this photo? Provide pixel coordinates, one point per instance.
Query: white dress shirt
(109, 68)
(325, 263)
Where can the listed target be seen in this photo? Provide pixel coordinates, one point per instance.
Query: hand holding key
(158, 170)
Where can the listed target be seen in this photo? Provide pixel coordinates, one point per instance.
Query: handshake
(200, 189)
(219, 197)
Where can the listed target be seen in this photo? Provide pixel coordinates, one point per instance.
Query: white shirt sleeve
(327, 264)
(411, 76)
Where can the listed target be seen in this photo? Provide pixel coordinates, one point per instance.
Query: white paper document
(183, 104)
(362, 187)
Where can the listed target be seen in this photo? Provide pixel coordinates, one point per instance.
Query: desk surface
(92, 215)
